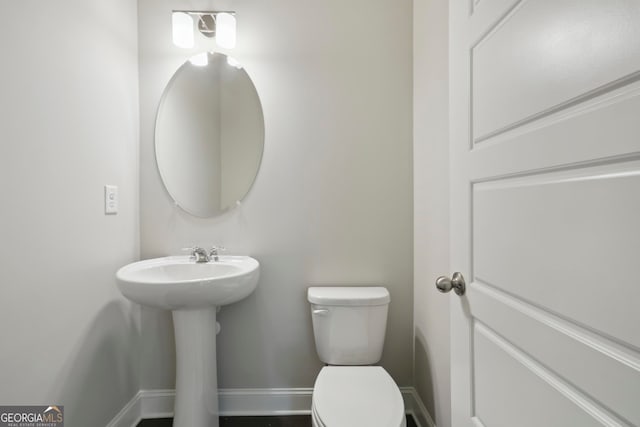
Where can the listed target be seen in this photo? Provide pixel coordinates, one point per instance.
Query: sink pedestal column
(196, 403)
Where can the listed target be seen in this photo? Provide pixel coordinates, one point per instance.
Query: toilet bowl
(349, 325)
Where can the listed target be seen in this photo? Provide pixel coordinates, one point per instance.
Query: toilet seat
(352, 396)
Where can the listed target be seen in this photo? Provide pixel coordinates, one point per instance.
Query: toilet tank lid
(348, 295)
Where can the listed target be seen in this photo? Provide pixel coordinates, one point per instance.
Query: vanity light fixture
(221, 25)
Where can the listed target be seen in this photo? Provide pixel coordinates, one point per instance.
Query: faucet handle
(194, 251)
(216, 250)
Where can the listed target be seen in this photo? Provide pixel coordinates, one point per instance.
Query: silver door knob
(444, 284)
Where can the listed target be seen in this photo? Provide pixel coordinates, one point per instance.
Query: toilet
(349, 324)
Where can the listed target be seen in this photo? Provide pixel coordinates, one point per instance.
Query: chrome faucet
(200, 255)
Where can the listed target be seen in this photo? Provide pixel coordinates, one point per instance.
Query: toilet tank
(349, 323)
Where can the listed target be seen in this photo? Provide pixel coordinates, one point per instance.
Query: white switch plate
(110, 199)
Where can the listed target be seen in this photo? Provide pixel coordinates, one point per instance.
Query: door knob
(444, 284)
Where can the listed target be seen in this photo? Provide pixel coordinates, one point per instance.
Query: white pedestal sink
(192, 291)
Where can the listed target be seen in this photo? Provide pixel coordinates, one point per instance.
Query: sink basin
(176, 283)
(192, 291)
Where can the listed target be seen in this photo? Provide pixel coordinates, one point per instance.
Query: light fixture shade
(226, 30)
(182, 24)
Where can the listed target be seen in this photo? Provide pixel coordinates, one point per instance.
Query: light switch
(110, 199)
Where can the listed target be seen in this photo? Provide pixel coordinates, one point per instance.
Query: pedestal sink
(192, 291)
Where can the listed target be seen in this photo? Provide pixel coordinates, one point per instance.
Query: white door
(545, 127)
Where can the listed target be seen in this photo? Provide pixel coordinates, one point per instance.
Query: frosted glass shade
(226, 30)
(182, 25)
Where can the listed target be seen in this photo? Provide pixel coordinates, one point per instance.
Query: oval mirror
(209, 134)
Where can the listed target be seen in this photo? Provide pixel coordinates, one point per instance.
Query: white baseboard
(247, 402)
(130, 415)
(413, 405)
(265, 401)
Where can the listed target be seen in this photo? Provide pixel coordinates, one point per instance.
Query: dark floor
(288, 421)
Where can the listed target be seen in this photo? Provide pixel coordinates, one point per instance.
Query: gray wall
(332, 202)
(431, 206)
(68, 125)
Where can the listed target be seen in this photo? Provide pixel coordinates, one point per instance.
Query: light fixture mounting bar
(204, 12)
(220, 24)
(206, 19)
